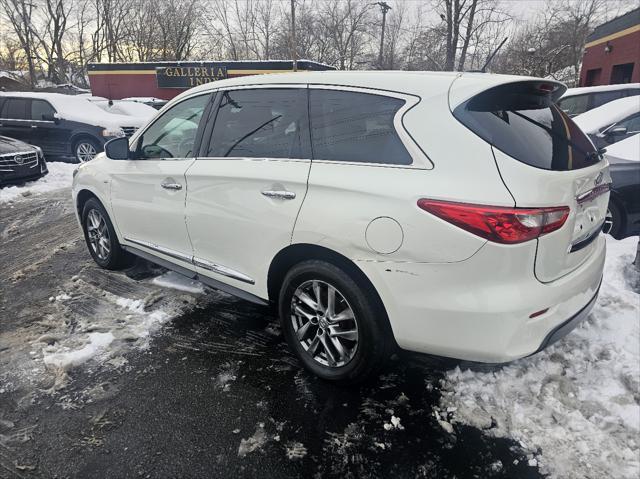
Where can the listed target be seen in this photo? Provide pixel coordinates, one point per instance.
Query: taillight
(496, 223)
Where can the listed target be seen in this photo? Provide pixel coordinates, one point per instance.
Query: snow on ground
(177, 281)
(60, 176)
(574, 406)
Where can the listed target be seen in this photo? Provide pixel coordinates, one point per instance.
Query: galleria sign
(189, 76)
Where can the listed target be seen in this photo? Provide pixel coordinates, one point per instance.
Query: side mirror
(54, 118)
(117, 149)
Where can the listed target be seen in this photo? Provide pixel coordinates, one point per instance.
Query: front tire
(332, 322)
(85, 149)
(101, 238)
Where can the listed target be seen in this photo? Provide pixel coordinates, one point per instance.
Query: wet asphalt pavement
(214, 394)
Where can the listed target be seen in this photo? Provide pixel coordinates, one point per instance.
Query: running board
(213, 283)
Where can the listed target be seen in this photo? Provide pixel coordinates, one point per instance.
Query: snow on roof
(77, 108)
(627, 149)
(593, 121)
(144, 99)
(591, 89)
(130, 108)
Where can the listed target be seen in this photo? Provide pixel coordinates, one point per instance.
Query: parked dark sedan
(64, 126)
(624, 204)
(20, 162)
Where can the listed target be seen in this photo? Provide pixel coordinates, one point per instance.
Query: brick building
(167, 79)
(612, 52)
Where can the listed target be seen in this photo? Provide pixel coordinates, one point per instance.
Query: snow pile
(180, 282)
(60, 176)
(69, 358)
(576, 403)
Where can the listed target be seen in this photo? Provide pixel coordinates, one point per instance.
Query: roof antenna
(484, 67)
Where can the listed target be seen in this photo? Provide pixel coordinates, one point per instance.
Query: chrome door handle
(282, 194)
(171, 186)
(34, 126)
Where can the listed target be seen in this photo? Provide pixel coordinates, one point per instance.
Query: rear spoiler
(469, 85)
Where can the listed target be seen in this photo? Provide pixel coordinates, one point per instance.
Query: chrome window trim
(198, 262)
(30, 121)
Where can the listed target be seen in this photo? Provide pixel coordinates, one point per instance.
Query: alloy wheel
(85, 152)
(98, 234)
(324, 323)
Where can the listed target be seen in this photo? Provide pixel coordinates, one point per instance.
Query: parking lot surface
(113, 374)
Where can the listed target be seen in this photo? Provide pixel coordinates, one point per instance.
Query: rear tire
(343, 339)
(617, 220)
(101, 237)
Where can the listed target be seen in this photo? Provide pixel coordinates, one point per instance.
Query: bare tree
(19, 13)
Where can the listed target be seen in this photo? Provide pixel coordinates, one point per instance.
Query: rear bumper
(565, 328)
(479, 309)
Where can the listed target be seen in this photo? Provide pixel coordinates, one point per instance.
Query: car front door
(248, 184)
(44, 130)
(148, 192)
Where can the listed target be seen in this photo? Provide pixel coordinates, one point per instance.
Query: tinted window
(574, 105)
(173, 134)
(264, 123)
(40, 109)
(15, 108)
(525, 124)
(601, 98)
(349, 126)
(631, 123)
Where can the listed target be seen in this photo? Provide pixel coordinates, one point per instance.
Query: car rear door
(15, 119)
(545, 160)
(247, 186)
(148, 193)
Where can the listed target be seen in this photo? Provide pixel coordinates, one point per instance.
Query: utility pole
(294, 55)
(384, 6)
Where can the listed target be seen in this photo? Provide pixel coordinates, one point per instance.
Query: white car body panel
(146, 213)
(233, 224)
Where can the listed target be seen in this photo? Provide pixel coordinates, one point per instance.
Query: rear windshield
(522, 121)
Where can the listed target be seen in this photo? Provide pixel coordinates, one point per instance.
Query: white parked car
(451, 214)
(576, 101)
(611, 122)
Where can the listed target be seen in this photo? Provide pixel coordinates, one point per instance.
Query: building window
(621, 73)
(593, 77)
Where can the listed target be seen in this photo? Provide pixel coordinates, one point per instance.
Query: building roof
(628, 20)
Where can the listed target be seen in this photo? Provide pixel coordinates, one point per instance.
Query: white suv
(444, 213)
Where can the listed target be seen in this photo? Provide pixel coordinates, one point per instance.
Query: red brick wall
(625, 49)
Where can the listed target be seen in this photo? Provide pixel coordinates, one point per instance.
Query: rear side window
(41, 109)
(355, 127)
(261, 123)
(524, 123)
(15, 109)
(600, 98)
